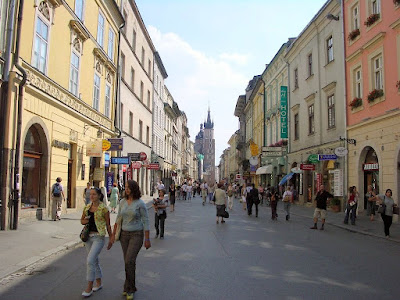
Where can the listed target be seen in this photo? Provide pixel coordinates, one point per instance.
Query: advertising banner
(116, 144)
(94, 148)
(109, 181)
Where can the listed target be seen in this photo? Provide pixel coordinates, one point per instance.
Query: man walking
(57, 194)
(320, 211)
(253, 199)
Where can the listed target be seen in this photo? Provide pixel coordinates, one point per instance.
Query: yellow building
(69, 51)
(257, 97)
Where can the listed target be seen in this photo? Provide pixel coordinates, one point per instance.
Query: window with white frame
(80, 9)
(329, 48)
(310, 66)
(357, 83)
(107, 102)
(378, 73)
(376, 6)
(100, 29)
(74, 73)
(356, 18)
(296, 78)
(296, 126)
(41, 43)
(111, 39)
(311, 124)
(96, 92)
(331, 111)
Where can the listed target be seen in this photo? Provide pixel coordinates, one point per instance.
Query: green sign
(284, 121)
(313, 158)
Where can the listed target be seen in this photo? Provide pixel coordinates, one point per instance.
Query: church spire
(209, 124)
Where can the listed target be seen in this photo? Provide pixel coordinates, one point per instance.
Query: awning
(286, 178)
(264, 170)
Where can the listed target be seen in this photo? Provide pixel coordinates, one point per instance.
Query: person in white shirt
(184, 190)
(287, 199)
(189, 189)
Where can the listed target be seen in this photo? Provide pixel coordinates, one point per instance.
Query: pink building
(372, 51)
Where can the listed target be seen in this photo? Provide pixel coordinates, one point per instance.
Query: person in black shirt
(320, 211)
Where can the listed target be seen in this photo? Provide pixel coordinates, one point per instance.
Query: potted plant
(335, 204)
(398, 82)
(396, 2)
(372, 19)
(353, 34)
(374, 94)
(356, 102)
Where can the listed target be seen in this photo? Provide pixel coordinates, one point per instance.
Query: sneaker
(124, 293)
(96, 288)
(314, 227)
(129, 296)
(161, 237)
(287, 218)
(86, 294)
(156, 236)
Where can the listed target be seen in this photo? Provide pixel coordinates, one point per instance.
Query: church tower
(209, 149)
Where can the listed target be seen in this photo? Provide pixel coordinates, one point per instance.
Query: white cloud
(240, 59)
(197, 80)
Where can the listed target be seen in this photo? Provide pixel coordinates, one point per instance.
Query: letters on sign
(371, 167)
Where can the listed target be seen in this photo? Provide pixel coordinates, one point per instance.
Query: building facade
(316, 100)
(372, 41)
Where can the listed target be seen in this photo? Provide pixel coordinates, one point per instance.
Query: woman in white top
(287, 199)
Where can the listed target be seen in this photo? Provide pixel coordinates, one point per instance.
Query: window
(140, 131)
(41, 43)
(148, 136)
(141, 91)
(376, 7)
(143, 55)
(96, 92)
(100, 30)
(331, 111)
(358, 83)
(74, 74)
(378, 78)
(131, 123)
(311, 125)
(296, 78)
(310, 70)
(132, 79)
(122, 65)
(356, 18)
(329, 47)
(134, 40)
(296, 126)
(149, 68)
(107, 101)
(79, 9)
(148, 99)
(110, 49)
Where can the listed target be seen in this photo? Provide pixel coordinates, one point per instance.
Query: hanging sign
(253, 160)
(153, 166)
(284, 131)
(120, 160)
(338, 182)
(136, 165)
(371, 167)
(313, 158)
(341, 151)
(309, 167)
(109, 181)
(94, 148)
(116, 144)
(106, 145)
(327, 157)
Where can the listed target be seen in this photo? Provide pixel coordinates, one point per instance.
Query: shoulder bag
(382, 207)
(84, 236)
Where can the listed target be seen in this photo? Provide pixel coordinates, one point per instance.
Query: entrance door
(69, 193)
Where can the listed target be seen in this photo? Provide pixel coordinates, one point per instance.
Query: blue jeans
(93, 247)
(352, 210)
(189, 195)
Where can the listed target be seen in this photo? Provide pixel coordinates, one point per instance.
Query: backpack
(57, 190)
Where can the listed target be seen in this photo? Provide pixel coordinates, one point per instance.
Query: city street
(245, 258)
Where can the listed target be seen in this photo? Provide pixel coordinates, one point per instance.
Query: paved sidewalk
(363, 223)
(35, 240)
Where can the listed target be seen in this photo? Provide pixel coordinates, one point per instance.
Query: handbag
(84, 236)
(225, 214)
(382, 209)
(118, 230)
(395, 210)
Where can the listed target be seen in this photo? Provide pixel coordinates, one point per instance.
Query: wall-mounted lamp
(99, 133)
(332, 17)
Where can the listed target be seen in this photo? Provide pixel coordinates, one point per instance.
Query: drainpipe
(345, 173)
(16, 190)
(5, 108)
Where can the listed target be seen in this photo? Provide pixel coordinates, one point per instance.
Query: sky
(212, 48)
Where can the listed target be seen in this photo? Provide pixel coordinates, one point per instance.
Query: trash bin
(39, 214)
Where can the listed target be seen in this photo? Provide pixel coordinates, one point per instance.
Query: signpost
(120, 160)
(142, 156)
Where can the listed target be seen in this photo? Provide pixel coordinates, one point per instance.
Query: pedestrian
(204, 192)
(387, 201)
(179, 191)
(211, 190)
(370, 195)
(172, 197)
(132, 212)
(261, 194)
(189, 190)
(86, 194)
(287, 199)
(220, 202)
(95, 214)
(320, 211)
(249, 199)
(114, 197)
(351, 207)
(57, 194)
(244, 195)
(274, 197)
(184, 190)
(160, 204)
(230, 196)
(254, 199)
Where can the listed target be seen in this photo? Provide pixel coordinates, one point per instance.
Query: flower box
(355, 33)
(374, 94)
(398, 82)
(356, 102)
(372, 19)
(396, 2)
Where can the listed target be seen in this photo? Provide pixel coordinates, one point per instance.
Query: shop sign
(313, 158)
(341, 151)
(123, 168)
(153, 166)
(94, 148)
(98, 174)
(309, 167)
(284, 133)
(116, 144)
(253, 160)
(253, 169)
(136, 165)
(272, 154)
(134, 156)
(319, 180)
(271, 149)
(61, 145)
(371, 167)
(106, 145)
(327, 157)
(109, 181)
(106, 160)
(338, 182)
(120, 160)
(142, 156)
(238, 176)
